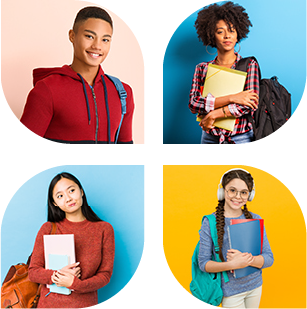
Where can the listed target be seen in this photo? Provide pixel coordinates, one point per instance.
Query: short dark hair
(91, 12)
(233, 14)
(55, 214)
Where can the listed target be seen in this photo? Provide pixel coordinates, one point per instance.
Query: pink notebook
(61, 244)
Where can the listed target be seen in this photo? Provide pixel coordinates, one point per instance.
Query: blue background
(115, 193)
(277, 39)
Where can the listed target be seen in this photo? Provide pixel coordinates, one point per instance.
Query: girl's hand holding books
(73, 269)
(247, 97)
(239, 259)
(65, 276)
(62, 278)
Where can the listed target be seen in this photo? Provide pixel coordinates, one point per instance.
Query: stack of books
(246, 235)
(219, 82)
(59, 252)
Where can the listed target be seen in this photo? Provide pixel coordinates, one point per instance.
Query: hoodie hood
(65, 70)
(42, 73)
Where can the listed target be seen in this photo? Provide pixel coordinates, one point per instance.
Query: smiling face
(91, 41)
(236, 195)
(68, 196)
(225, 37)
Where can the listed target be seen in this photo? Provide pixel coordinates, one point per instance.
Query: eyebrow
(93, 32)
(225, 28)
(66, 189)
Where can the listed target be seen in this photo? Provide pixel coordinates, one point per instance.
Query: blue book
(245, 237)
(56, 262)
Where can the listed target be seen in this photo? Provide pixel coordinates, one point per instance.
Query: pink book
(60, 244)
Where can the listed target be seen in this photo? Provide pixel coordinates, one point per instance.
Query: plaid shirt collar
(239, 57)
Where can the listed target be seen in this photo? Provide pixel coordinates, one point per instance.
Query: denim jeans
(247, 137)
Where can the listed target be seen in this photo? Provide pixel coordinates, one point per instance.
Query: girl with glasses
(235, 190)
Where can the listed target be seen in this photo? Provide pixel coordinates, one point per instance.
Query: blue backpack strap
(122, 95)
(121, 91)
(212, 223)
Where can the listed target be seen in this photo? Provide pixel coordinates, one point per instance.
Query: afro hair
(233, 14)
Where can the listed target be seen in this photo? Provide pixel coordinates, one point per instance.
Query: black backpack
(274, 107)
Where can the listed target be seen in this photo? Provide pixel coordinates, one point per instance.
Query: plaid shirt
(201, 105)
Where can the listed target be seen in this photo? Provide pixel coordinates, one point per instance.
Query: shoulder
(203, 65)
(205, 222)
(127, 87)
(255, 216)
(45, 229)
(103, 227)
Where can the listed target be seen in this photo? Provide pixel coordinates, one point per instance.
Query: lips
(236, 203)
(227, 42)
(72, 205)
(94, 55)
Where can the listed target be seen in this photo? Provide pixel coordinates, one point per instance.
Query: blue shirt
(234, 286)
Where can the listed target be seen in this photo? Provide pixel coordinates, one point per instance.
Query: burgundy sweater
(64, 108)
(94, 246)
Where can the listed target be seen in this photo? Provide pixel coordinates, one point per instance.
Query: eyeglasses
(232, 192)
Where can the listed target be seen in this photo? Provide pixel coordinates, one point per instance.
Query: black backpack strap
(243, 63)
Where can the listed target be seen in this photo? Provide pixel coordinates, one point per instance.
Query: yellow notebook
(220, 82)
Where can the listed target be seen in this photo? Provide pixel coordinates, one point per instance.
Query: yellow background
(190, 192)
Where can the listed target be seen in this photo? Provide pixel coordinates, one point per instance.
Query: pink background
(36, 35)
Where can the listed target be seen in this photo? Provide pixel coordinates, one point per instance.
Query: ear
(71, 35)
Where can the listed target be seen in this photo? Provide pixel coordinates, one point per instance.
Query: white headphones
(221, 190)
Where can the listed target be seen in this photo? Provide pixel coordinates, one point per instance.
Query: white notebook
(61, 244)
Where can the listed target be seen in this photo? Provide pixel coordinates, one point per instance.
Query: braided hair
(220, 218)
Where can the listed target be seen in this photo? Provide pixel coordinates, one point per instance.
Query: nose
(96, 44)
(68, 198)
(238, 193)
(227, 34)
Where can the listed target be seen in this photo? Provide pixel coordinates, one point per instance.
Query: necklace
(225, 63)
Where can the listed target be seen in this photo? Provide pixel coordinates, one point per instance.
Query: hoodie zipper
(96, 112)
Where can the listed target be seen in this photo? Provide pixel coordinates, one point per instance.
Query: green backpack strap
(213, 231)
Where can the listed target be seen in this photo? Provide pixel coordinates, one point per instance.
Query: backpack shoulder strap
(121, 91)
(53, 230)
(212, 224)
(243, 63)
(122, 95)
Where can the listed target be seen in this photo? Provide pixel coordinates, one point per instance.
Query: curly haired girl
(223, 26)
(236, 188)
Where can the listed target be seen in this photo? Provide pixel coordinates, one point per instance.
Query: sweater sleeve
(104, 272)
(37, 271)
(38, 110)
(125, 134)
(205, 245)
(266, 249)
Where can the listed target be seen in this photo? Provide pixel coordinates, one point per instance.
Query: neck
(231, 213)
(226, 58)
(75, 217)
(88, 73)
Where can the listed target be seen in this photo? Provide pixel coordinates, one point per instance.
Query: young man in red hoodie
(79, 103)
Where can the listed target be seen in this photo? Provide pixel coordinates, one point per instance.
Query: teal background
(277, 39)
(115, 193)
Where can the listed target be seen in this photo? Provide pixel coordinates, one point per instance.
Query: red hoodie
(62, 107)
